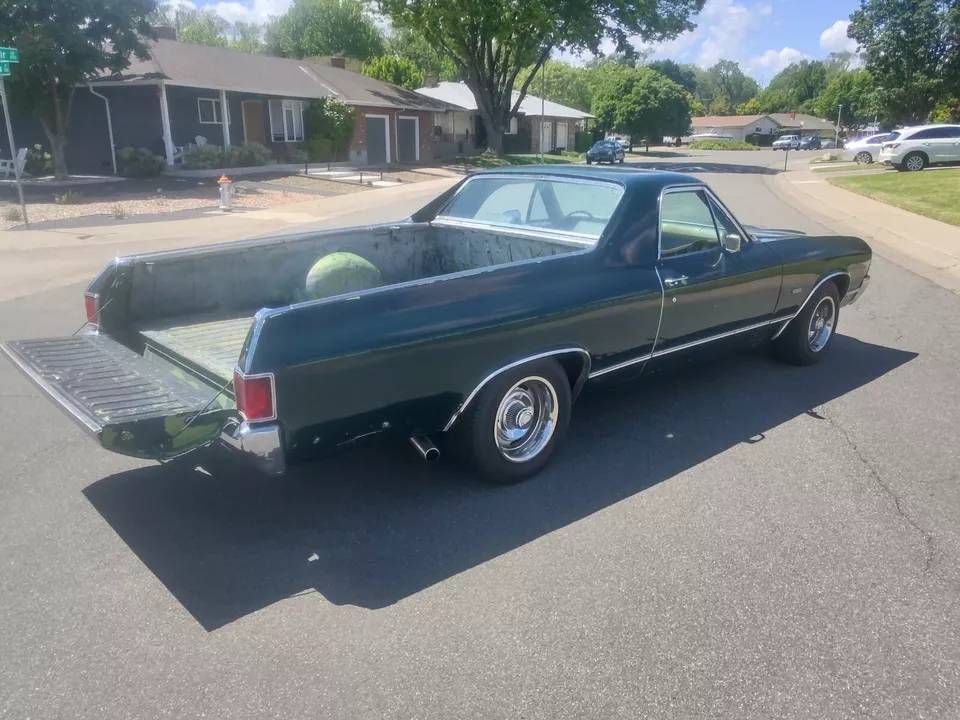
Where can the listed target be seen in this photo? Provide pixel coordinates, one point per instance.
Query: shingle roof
(457, 93)
(733, 121)
(202, 66)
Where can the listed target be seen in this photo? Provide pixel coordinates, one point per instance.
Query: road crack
(928, 541)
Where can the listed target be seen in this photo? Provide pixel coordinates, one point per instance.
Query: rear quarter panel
(403, 358)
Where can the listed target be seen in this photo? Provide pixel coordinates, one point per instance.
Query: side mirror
(732, 242)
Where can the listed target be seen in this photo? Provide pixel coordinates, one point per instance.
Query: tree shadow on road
(693, 166)
(371, 527)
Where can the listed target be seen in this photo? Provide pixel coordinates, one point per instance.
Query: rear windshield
(575, 207)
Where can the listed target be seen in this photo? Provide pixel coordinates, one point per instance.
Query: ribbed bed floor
(212, 346)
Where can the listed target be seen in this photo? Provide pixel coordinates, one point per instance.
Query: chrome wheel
(821, 324)
(914, 162)
(526, 419)
(864, 158)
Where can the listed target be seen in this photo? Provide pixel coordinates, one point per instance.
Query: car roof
(915, 128)
(628, 177)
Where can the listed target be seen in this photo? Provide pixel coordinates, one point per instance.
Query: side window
(686, 224)
(953, 132)
(928, 134)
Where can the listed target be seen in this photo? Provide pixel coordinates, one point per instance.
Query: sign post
(7, 56)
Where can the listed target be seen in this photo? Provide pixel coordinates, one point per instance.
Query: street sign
(9, 55)
(4, 68)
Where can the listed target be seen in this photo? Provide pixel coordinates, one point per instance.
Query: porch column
(165, 120)
(224, 119)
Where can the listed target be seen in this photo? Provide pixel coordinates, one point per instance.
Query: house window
(511, 127)
(208, 110)
(286, 120)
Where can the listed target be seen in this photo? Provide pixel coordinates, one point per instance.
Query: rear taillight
(255, 395)
(91, 307)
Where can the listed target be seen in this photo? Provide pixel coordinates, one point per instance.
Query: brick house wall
(358, 144)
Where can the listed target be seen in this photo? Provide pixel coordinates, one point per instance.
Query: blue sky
(764, 36)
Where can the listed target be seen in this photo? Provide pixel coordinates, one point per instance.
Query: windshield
(604, 145)
(576, 207)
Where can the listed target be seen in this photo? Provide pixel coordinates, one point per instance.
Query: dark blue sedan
(605, 151)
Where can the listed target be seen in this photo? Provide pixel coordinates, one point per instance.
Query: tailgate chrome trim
(62, 401)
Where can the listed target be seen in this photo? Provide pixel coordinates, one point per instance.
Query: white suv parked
(918, 147)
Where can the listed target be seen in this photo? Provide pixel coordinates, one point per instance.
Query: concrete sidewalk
(925, 246)
(39, 260)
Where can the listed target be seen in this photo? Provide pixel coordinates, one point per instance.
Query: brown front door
(253, 122)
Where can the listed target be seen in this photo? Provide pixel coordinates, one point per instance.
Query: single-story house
(761, 129)
(185, 91)
(737, 126)
(537, 122)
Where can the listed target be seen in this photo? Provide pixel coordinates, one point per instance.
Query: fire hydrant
(226, 193)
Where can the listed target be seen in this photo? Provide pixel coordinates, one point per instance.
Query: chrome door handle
(679, 280)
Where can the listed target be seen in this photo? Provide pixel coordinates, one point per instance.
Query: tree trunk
(55, 128)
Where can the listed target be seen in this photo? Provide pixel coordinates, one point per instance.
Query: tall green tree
(491, 42)
(246, 37)
(62, 44)
(325, 27)
(413, 46)
(912, 48)
(561, 82)
(724, 86)
(392, 69)
(795, 88)
(642, 103)
(856, 92)
(201, 27)
(683, 75)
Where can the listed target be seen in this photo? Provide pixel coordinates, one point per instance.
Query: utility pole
(13, 144)
(543, 95)
(836, 132)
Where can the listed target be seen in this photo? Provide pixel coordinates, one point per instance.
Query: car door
(709, 289)
(949, 150)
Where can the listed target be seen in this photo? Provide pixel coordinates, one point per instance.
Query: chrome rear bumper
(261, 444)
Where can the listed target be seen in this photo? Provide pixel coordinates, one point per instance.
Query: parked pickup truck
(479, 318)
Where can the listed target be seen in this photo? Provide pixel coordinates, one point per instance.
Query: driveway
(738, 539)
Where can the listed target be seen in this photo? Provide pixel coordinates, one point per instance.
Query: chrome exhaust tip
(428, 451)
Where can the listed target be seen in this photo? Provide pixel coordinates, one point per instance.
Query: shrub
(11, 214)
(248, 156)
(70, 197)
(721, 145)
(138, 163)
(296, 154)
(203, 157)
(119, 213)
(38, 161)
(331, 120)
(320, 149)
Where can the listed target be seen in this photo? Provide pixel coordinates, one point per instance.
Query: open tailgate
(134, 405)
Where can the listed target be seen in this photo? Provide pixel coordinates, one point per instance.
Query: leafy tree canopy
(912, 47)
(61, 45)
(683, 75)
(642, 103)
(413, 46)
(856, 91)
(325, 27)
(724, 86)
(491, 42)
(396, 70)
(205, 27)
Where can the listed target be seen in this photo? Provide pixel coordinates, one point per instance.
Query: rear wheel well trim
(826, 278)
(575, 383)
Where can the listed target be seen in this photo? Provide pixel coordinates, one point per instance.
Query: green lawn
(934, 193)
(491, 161)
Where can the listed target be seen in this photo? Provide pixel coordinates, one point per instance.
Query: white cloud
(834, 38)
(258, 11)
(722, 29)
(773, 61)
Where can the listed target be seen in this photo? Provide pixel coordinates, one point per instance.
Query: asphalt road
(742, 539)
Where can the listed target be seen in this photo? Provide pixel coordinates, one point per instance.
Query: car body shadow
(371, 527)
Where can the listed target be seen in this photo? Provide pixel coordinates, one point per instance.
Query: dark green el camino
(478, 319)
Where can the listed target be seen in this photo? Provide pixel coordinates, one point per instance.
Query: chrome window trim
(668, 189)
(824, 279)
(510, 366)
(535, 177)
(524, 231)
